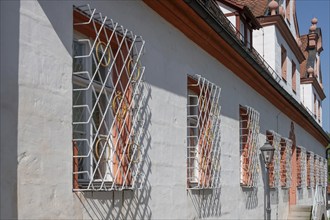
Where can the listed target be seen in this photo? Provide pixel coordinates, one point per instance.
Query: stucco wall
(45, 131)
(44, 116)
(307, 98)
(267, 41)
(9, 106)
(279, 40)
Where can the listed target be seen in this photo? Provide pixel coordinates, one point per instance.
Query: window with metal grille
(203, 134)
(301, 165)
(317, 170)
(274, 167)
(285, 164)
(107, 103)
(321, 171)
(324, 168)
(310, 169)
(249, 132)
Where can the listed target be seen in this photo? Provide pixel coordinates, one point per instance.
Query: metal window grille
(249, 132)
(317, 170)
(321, 171)
(274, 167)
(108, 100)
(310, 169)
(203, 134)
(324, 172)
(286, 154)
(301, 166)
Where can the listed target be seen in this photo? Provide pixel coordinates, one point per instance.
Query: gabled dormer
(311, 74)
(287, 9)
(241, 18)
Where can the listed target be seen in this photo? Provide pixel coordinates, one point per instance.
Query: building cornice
(199, 25)
(279, 22)
(315, 84)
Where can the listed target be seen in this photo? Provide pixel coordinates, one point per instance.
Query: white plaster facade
(268, 41)
(227, 10)
(44, 124)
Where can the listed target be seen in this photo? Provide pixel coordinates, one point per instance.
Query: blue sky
(306, 10)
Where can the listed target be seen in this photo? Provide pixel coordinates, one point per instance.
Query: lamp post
(267, 152)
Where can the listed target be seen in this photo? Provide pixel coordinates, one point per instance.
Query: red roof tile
(258, 8)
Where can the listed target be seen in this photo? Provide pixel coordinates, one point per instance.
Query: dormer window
(245, 30)
(242, 20)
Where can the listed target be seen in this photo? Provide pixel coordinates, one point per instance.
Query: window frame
(274, 139)
(284, 63)
(203, 143)
(249, 132)
(286, 169)
(111, 76)
(294, 77)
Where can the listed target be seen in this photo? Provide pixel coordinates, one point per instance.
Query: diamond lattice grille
(310, 169)
(317, 170)
(108, 100)
(203, 129)
(286, 162)
(324, 168)
(249, 132)
(274, 167)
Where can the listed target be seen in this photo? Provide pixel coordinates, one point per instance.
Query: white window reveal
(203, 134)
(107, 103)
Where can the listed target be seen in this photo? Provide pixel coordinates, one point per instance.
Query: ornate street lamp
(267, 152)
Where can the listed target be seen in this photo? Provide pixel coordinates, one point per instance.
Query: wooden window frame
(284, 63)
(315, 106)
(294, 77)
(319, 111)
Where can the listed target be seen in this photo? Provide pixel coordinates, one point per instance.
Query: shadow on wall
(206, 202)
(310, 192)
(250, 197)
(125, 204)
(300, 192)
(285, 195)
(61, 26)
(274, 196)
(9, 50)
